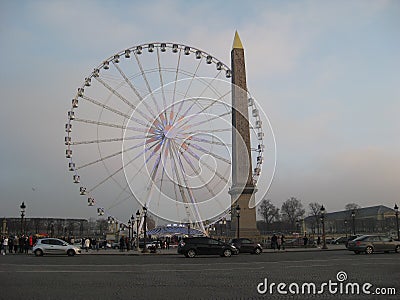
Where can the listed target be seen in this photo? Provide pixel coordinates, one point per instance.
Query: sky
(325, 72)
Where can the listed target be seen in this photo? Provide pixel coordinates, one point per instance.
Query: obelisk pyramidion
(243, 189)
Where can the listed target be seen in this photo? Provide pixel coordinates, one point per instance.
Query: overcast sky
(325, 72)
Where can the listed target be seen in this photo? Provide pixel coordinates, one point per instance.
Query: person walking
(10, 245)
(87, 244)
(16, 244)
(274, 242)
(282, 242)
(5, 245)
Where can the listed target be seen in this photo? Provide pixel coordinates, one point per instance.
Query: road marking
(133, 271)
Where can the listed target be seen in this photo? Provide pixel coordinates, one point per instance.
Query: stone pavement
(173, 251)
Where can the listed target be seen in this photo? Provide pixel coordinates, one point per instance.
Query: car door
(45, 246)
(58, 247)
(215, 247)
(202, 245)
(247, 246)
(377, 243)
(387, 244)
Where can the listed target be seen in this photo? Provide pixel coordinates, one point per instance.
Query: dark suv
(246, 246)
(190, 247)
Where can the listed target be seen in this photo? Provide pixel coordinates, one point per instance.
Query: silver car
(54, 246)
(373, 243)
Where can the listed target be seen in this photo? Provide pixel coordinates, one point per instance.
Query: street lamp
(322, 210)
(238, 219)
(396, 210)
(353, 217)
(23, 207)
(129, 232)
(345, 227)
(144, 228)
(137, 229)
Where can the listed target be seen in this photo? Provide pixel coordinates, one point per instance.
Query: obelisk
(243, 189)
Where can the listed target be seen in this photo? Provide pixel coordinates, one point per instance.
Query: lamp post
(396, 210)
(353, 217)
(238, 219)
(132, 231)
(322, 210)
(144, 228)
(345, 227)
(22, 207)
(129, 233)
(188, 227)
(137, 229)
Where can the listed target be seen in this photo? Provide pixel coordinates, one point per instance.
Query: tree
(268, 211)
(315, 211)
(352, 206)
(292, 210)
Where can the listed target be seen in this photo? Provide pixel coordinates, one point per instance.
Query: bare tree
(268, 211)
(352, 206)
(315, 210)
(292, 210)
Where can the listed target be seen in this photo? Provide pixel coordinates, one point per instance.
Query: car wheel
(191, 253)
(38, 252)
(227, 253)
(257, 251)
(397, 249)
(70, 252)
(369, 250)
(357, 252)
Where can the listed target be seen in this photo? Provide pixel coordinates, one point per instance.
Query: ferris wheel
(152, 124)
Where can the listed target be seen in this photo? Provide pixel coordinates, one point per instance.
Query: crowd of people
(16, 244)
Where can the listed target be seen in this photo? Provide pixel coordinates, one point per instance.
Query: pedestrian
(16, 244)
(283, 242)
(5, 245)
(87, 244)
(21, 241)
(318, 240)
(278, 243)
(10, 245)
(274, 242)
(26, 245)
(121, 244)
(305, 240)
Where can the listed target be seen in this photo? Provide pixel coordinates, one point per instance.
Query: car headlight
(233, 246)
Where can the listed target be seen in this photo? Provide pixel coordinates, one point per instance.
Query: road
(207, 277)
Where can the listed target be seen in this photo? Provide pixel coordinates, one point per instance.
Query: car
(244, 245)
(340, 240)
(190, 247)
(54, 246)
(373, 243)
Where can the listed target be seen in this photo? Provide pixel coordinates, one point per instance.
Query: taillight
(358, 243)
(182, 243)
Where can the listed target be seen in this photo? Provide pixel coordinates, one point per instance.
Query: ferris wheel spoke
(208, 131)
(135, 90)
(191, 117)
(120, 169)
(204, 121)
(106, 124)
(188, 88)
(175, 82)
(137, 95)
(189, 191)
(137, 137)
(201, 149)
(194, 155)
(203, 181)
(106, 107)
(123, 99)
(201, 140)
(143, 73)
(161, 82)
(102, 159)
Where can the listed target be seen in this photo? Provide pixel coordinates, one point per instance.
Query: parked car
(54, 246)
(244, 245)
(190, 247)
(373, 243)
